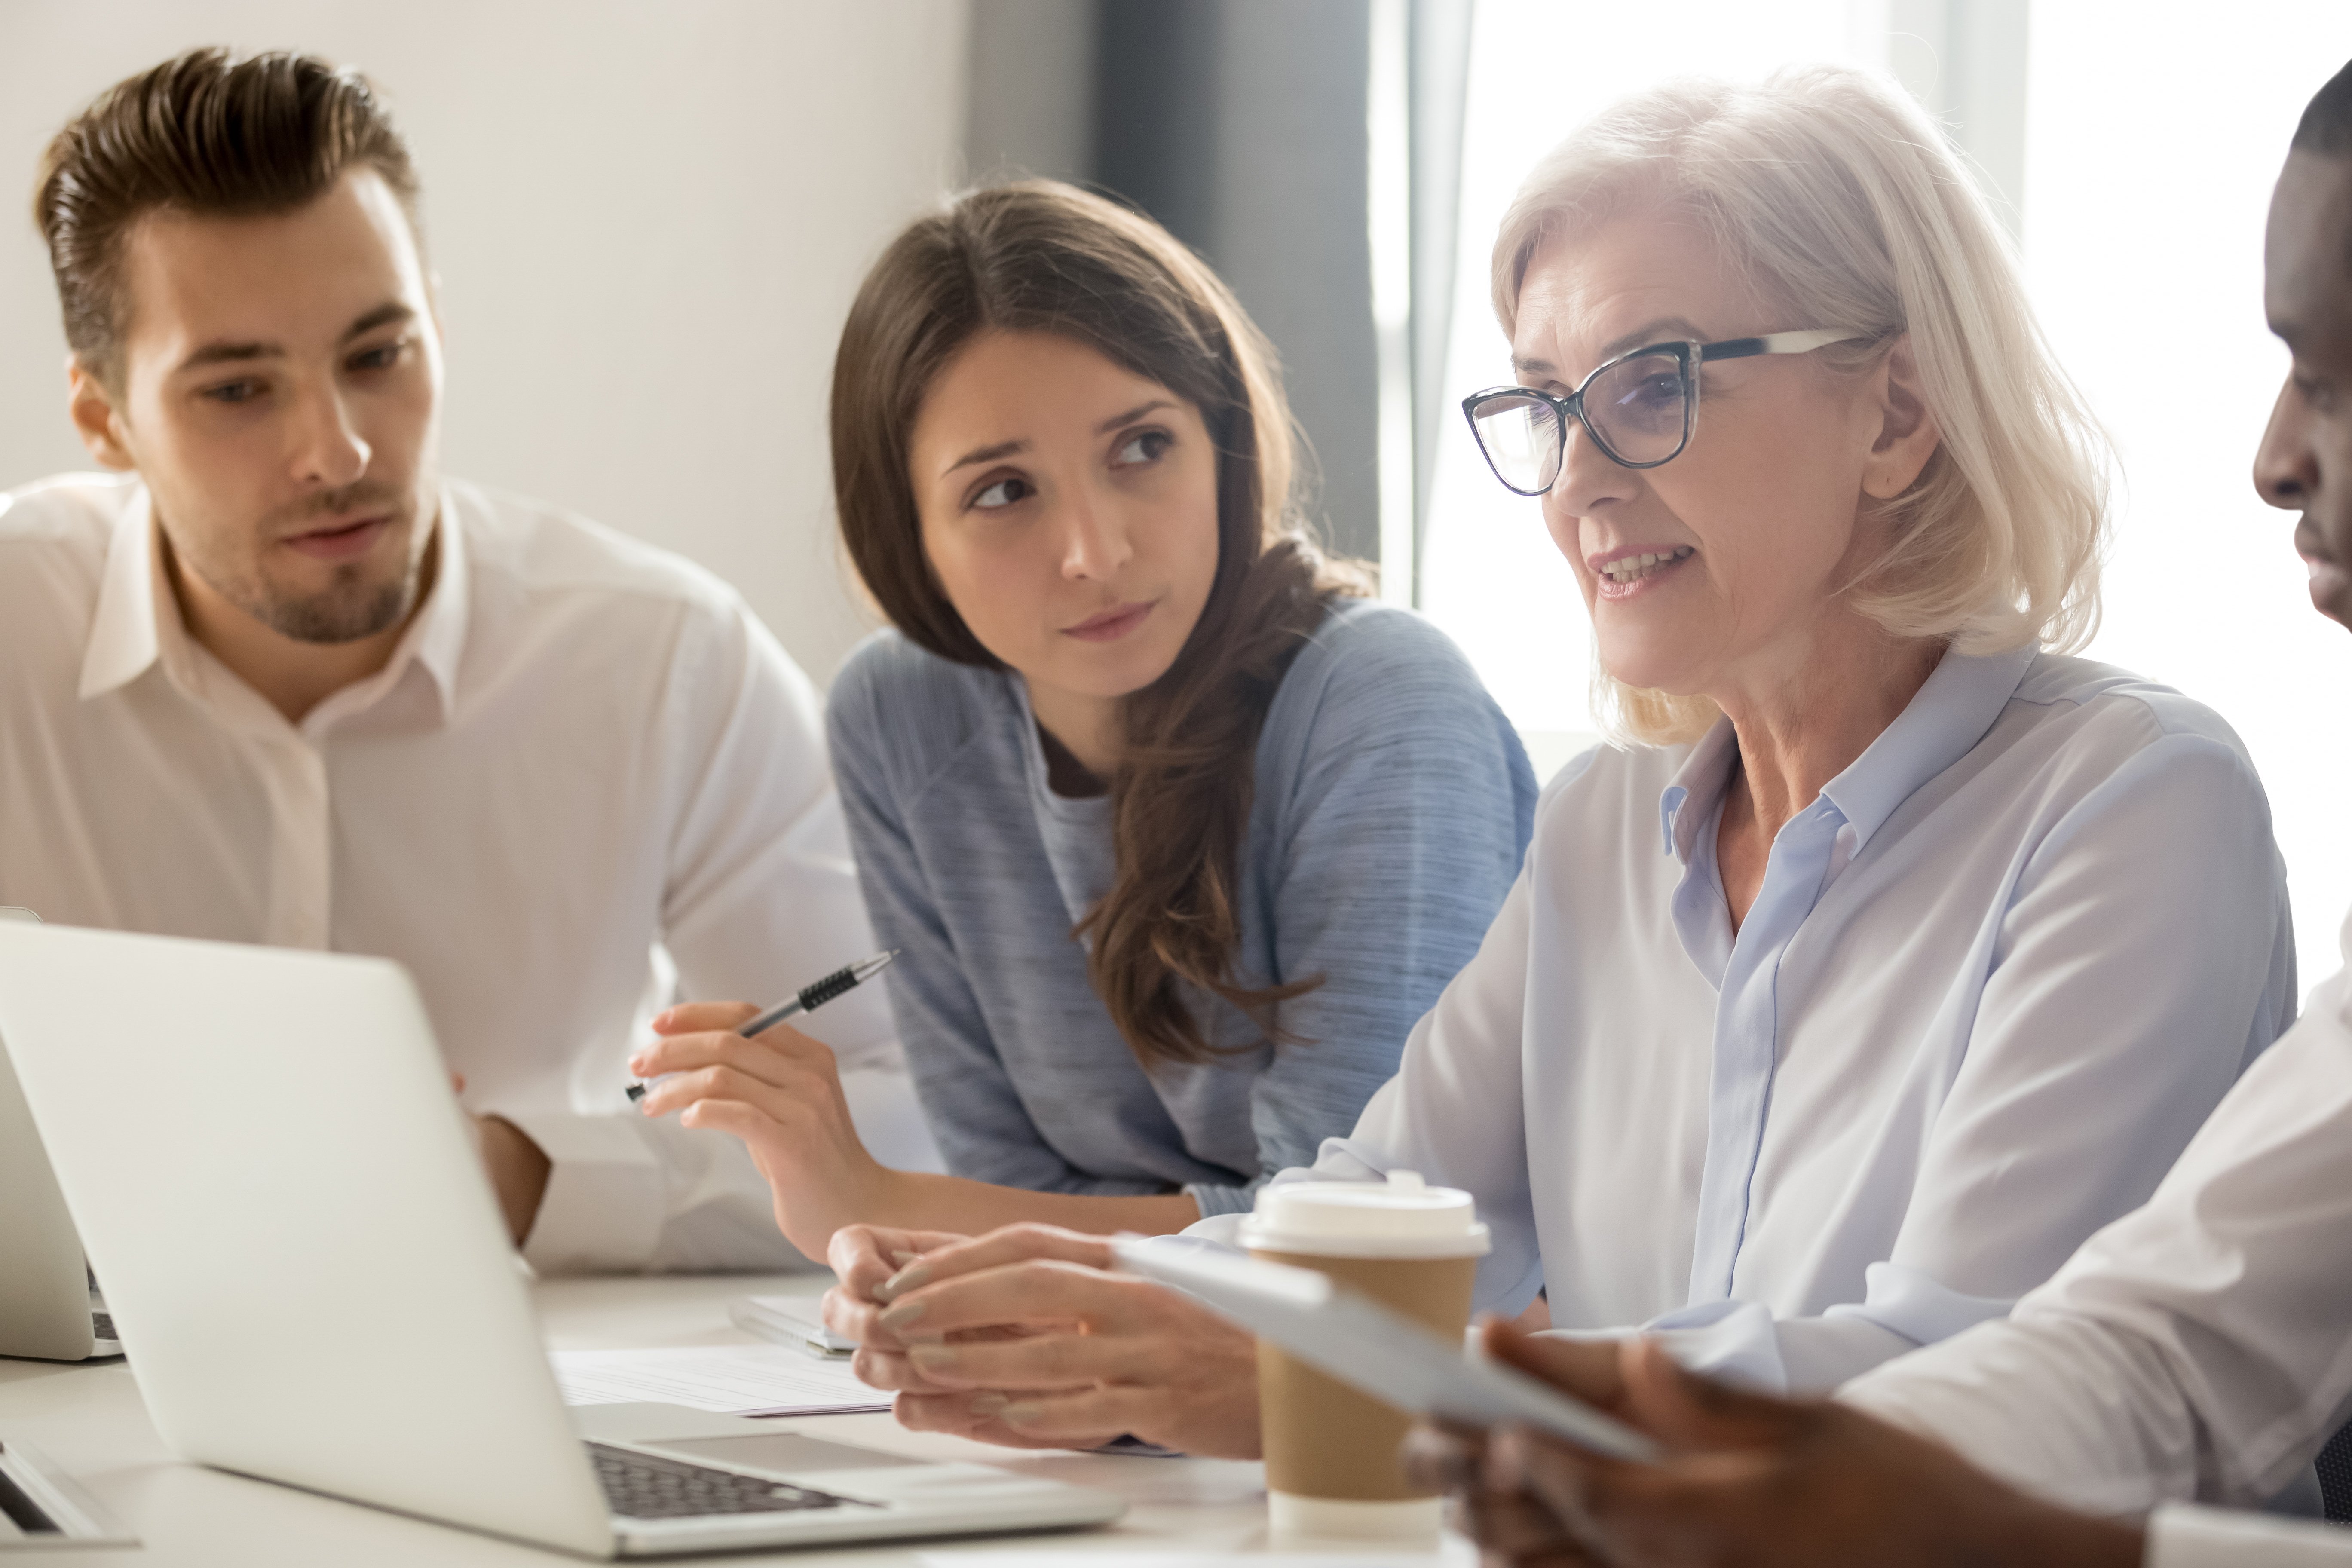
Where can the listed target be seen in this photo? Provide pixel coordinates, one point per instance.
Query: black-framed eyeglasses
(1640, 408)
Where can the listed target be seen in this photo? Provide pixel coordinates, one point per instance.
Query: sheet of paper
(733, 1380)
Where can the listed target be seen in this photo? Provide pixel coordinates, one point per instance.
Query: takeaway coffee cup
(1331, 1464)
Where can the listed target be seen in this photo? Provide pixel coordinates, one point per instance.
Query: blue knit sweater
(1393, 806)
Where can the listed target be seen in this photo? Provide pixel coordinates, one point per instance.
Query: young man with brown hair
(282, 680)
(2199, 1348)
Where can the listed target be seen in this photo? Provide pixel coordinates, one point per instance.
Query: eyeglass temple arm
(1781, 342)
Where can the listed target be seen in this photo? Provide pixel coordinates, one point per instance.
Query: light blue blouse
(1998, 974)
(1390, 809)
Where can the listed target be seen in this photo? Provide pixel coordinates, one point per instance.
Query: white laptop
(50, 1306)
(263, 1156)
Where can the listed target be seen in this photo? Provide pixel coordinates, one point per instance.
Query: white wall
(648, 220)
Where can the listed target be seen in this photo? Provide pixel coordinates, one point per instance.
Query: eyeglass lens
(1639, 409)
(1521, 437)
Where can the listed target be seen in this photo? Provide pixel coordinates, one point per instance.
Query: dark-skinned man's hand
(1748, 1481)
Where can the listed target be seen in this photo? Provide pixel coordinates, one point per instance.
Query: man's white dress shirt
(1997, 975)
(588, 780)
(2199, 1349)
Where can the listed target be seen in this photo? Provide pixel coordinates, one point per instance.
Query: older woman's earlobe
(1908, 434)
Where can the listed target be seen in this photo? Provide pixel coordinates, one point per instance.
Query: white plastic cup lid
(1401, 1217)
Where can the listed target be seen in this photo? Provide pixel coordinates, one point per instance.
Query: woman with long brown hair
(1176, 833)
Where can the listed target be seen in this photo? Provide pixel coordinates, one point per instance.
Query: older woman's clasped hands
(1026, 1337)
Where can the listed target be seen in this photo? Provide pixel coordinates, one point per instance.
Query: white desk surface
(90, 1421)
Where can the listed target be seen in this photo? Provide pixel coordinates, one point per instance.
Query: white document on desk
(732, 1380)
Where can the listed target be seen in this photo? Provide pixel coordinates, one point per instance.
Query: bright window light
(2149, 154)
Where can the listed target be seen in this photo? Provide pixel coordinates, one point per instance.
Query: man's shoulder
(67, 514)
(541, 549)
(54, 538)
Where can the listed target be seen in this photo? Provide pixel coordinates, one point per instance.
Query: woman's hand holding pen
(781, 1094)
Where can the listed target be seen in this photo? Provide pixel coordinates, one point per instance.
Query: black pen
(807, 999)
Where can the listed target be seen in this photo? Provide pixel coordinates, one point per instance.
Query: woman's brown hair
(1042, 256)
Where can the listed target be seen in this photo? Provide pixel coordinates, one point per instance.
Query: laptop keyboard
(640, 1486)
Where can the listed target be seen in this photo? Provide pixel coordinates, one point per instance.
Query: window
(2149, 154)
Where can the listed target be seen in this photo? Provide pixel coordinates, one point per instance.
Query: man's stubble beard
(345, 613)
(354, 605)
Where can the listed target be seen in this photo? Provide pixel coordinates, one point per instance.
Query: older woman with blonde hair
(1890, 951)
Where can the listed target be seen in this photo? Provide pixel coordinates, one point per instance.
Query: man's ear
(91, 407)
(1907, 436)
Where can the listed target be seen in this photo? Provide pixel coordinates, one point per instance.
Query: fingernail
(932, 1357)
(901, 1282)
(637, 1066)
(900, 1316)
(901, 1257)
(987, 1405)
(1018, 1414)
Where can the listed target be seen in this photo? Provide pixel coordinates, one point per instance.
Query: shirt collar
(1942, 723)
(1945, 719)
(437, 636)
(138, 620)
(124, 635)
(1701, 778)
